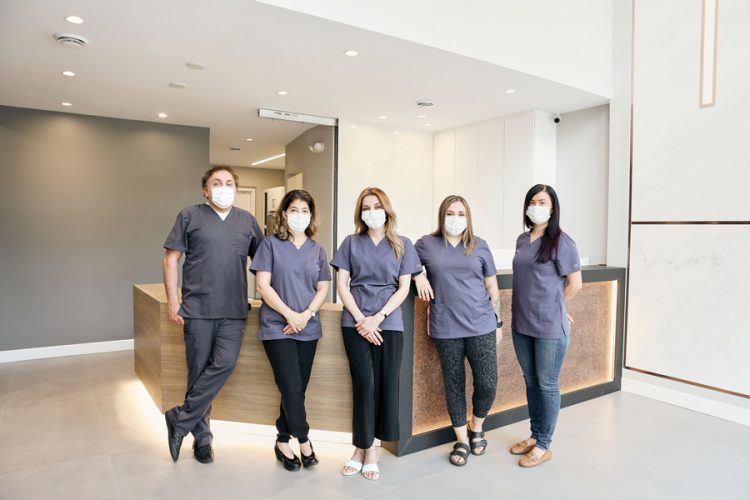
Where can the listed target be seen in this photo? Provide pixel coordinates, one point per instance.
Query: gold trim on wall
(708, 52)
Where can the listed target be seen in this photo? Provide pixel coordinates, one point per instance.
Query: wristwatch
(385, 314)
(312, 312)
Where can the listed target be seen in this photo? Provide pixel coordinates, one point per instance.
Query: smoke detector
(426, 103)
(317, 148)
(70, 40)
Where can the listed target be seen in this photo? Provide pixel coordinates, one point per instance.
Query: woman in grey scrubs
(293, 279)
(375, 266)
(546, 273)
(461, 285)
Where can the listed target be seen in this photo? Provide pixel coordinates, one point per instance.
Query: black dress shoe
(204, 454)
(308, 460)
(173, 438)
(290, 464)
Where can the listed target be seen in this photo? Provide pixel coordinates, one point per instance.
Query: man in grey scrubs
(216, 239)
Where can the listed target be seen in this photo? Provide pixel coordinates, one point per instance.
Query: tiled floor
(84, 427)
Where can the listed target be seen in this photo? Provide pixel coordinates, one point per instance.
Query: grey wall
(85, 205)
(583, 179)
(317, 178)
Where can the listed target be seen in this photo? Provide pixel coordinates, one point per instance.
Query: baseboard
(57, 351)
(694, 402)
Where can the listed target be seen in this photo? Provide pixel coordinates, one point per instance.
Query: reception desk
(592, 367)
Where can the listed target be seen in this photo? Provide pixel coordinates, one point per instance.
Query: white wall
(582, 179)
(567, 42)
(493, 164)
(688, 282)
(400, 164)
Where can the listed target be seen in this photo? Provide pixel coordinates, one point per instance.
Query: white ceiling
(250, 51)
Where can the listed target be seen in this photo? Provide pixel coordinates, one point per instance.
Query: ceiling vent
(425, 103)
(71, 41)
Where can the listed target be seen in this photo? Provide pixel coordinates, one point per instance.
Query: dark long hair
(281, 228)
(551, 236)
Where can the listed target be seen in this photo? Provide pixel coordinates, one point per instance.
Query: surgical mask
(222, 196)
(538, 214)
(455, 224)
(298, 222)
(374, 218)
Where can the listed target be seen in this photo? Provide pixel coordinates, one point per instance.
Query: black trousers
(375, 373)
(211, 350)
(481, 351)
(291, 361)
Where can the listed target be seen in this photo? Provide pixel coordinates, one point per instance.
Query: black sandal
(460, 450)
(482, 443)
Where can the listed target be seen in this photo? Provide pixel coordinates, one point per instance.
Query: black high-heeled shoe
(309, 460)
(290, 464)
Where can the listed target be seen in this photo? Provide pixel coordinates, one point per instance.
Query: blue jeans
(541, 360)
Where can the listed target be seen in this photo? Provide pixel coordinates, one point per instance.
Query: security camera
(556, 119)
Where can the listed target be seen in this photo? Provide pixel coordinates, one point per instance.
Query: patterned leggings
(481, 351)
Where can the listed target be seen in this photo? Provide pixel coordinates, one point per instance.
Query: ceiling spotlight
(382, 117)
(249, 139)
(428, 124)
(351, 53)
(510, 91)
(396, 132)
(282, 92)
(68, 73)
(162, 115)
(66, 104)
(178, 85)
(74, 20)
(421, 116)
(353, 126)
(195, 65)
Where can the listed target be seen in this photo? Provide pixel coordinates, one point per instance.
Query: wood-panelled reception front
(250, 394)
(592, 367)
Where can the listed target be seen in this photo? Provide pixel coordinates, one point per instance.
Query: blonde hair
(468, 238)
(397, 245)
(281, 227)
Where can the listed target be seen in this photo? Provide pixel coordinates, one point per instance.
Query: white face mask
(298, 222)
(538, 214)
(374, 218)
(222, 196)
(455, 224)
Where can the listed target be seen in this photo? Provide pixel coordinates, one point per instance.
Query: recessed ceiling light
(195, 65)
(162, 115)
(282, 92)
(353, 126)
(428, 124)
(421, 116)
(178, 85)
(351, 53)
(268, 159)
(249, 139)
(68, 73)
(510, 91)
(66, 104)
(382, 117)
(396, 132)
(74, 20)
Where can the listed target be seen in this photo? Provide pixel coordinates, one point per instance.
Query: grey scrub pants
(211, 350)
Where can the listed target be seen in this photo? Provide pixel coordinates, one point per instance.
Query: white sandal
(371, 468)
(357, 466)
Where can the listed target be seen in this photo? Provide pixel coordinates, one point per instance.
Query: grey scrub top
(462, 307)
(295, 274)
(538, 302)
(214, 275)
(374, 273)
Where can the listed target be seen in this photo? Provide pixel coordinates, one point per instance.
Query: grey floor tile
(90, 477)
(49, 433)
